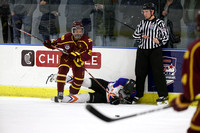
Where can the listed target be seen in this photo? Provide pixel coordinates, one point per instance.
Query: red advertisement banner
(51, 59)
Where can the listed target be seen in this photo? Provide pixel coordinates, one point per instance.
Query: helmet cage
(130, 87)
(77, 25)
(77, 35)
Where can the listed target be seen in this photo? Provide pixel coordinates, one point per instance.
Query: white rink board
(115, 63)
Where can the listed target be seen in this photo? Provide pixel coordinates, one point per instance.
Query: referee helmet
(148, 6)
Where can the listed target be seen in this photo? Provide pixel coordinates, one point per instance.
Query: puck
(117, 115)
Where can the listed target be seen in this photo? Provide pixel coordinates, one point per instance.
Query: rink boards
(28, 70)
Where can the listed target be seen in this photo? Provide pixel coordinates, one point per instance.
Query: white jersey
(116, 89)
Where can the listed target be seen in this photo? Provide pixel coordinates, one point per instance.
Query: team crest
(169, 64)
(151, 26)
(67, 47)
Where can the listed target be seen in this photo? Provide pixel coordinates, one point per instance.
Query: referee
(150, 34)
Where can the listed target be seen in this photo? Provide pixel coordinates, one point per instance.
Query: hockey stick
(24, 32)
(94, 79)
(98, 114)
(59, 49)
(123, 24)
(101, 116)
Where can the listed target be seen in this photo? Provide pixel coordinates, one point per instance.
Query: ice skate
(135, 100)
(162, 101)
(58, 98)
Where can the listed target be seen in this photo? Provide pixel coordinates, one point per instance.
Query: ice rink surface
(34, 115)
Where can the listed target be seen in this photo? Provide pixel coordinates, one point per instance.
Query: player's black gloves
(127, 100)
(48, 44)
(114, 100)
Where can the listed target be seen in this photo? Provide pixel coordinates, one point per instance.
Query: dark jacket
(23, 7)
(49, 23)
(77, 10)
(174, 16)
(186, 9)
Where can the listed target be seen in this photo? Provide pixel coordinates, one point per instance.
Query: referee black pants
(153, 58)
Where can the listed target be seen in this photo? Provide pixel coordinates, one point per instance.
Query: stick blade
(92, 110)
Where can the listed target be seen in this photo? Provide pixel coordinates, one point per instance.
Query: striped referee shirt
(154, 29)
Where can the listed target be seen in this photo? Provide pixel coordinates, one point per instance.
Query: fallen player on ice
(122, 91)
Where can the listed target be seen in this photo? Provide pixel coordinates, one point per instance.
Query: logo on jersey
(67, 47)
(163, 29)
(151, 26)
(27, 58)
(169, 64)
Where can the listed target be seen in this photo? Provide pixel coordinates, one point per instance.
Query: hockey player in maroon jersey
(190, 82)
(79, 49)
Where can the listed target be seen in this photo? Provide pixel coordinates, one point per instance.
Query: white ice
(34, 115)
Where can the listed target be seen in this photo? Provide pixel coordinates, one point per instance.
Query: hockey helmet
(77, 25)
(148, 6)
(130, 87)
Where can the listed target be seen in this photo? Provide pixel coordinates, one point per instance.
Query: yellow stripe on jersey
(196, 113)
(77, 88)
(63, 65)
(184, 79)
(77, 84)
(195, 127)
(64, 43)
(61, 81)
(89, 40)
(78, 65)
(61, 75)
(84, 43)
(191, 87)
(78, 78)
(90, 52)
(186, 55)
(63, 37)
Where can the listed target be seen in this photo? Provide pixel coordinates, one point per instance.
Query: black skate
(135, 100)
(162, 100)
(58, 98)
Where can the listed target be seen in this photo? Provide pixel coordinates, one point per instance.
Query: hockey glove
(128, 100)
(180, 103)
(114, 100)
(48, 44)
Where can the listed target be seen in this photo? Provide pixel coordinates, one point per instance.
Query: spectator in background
(190, 11)
(49, 25)
(4, 15)
(104, 16)
(22, 11)
(79, 10)
(130, 18)
(171, 13)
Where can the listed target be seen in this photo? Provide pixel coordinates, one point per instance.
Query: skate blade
(163, 103)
